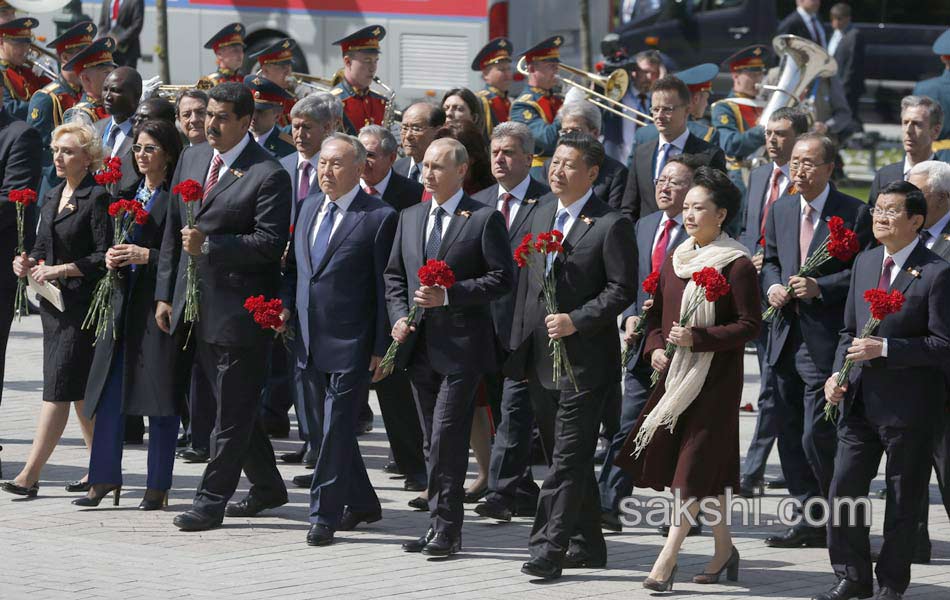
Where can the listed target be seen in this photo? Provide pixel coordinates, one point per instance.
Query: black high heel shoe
(661, 586)
(731, 568)
(97, 495)
(78, 486)
(11, 487)
(154, 500)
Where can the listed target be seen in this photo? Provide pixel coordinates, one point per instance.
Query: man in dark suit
(122, 20)
(802, 338)
(269, 102)
(454, 344)
(847, 47)
(767, 183)
(658, 234)
(420, 123)
(334, 281)
(804, 22)
(240, 234)
(595, 280)
(921, 120)
(120, 97)
(394, 392)
(517, 195)
(20, 165)
(905, 359)
(670, 103)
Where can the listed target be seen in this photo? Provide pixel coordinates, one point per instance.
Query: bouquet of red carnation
(546, 248)
(433, 273)
(125, 215)
(267, 313)
(111, 171)
(190, 192)
(710, 286)
(21, 198)
(841, 243)
(881, 304)
(649, 286)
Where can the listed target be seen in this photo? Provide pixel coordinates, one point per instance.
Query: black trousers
(767, 421)
(7, 295)
(941, 464)
(402, 425)
(278, 393)
(615, 484)
(238, 441)
(201, 412)
(569, 503)
(446, 405)
(510, 481)
(907, 473)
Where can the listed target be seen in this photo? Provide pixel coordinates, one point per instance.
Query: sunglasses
(149, 148)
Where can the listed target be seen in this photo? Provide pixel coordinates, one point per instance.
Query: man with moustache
(494, 63)
(121, 91)
(802, 341)
(921, 121)
(517, 195)
(240, 234)
(420, 123)
(361, 105)
(191, 109)
(334, 283)
(453, 345)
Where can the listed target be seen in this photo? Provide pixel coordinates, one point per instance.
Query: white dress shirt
(228, 157)
(936, 230)
(260, 139)
(342, 205)
(819, 35)
(675, 149)
(412, 165)
(907, 165)
(519, 192)
(125, 130)
(573, 211)
(900, 259)
(449, 206)
(381, 186)
(783, 183)
(836, 38)
(818, 204)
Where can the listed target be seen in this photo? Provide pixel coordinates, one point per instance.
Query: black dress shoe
(276, 429)
(193, 520)
(351, 518)
(750, 489)
(184, 440)
(419, 503)
(12, 488)
(886, 593)
(581, 559)
(418, 544)
(541, 567)
(525, 509)
(195, 455)
(310, 457)
(796, 537)
(846, 589)
(319, 535)
(776, 484)
(475, 497)
(392, 468)
(493, 510)
(442, 544)
(364, 427)
(303, 481)
(77, 486)
(611, 522)
(251, 506)
(412, 485)
(294, 458)
(696, 529)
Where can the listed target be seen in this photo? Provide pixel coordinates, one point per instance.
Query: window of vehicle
(922, 12)
(720, 4)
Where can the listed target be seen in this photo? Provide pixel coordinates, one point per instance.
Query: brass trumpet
(44, 60)
(312, 82)
(171, 91)
(615, 87)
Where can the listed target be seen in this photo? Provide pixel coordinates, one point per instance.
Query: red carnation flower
(141, 216)
(436, 273)
(714, 283)
(883, 303)
(189, 190)
(843, 244)
(24, 196)
(651, 282)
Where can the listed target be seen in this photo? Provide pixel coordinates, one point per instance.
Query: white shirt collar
(784, 169)
(936, 230)
(382, 185)
(576, 208)
(520, 191)
(125, 126)
(678, 218)
(804, 14)
(313, 161)
(818, 203)
(900, 257)
(450, 205)
(231, 155)
(679, 142)
(260, 139)
(908, 166)
(343, 202)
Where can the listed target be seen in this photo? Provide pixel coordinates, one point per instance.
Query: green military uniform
(537, 108)
(44, 114)
(278, 143)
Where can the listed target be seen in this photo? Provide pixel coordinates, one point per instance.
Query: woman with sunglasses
(134, 370)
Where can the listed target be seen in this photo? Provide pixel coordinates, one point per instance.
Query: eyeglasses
(669, 181)
(890, 213)
(415, 129)
(665, 110)
(149, 148)
(805, 166)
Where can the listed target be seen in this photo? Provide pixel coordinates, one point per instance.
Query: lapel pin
(464, 213)
(237, 173)
(913, 272)
(531, 201)
(587, 220)
(69, 207)
(946, 237)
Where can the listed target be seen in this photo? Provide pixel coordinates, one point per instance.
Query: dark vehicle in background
(898, 36)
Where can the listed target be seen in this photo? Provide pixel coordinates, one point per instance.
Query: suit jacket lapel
(579, 229)
(941, 246)
(456, 224)
(309, 214)
(351, 219)
(524, 211)
(78, 195)
(911, 270)
(227, 176)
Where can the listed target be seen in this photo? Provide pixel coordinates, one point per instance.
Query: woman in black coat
(74, 233)
(135, 373)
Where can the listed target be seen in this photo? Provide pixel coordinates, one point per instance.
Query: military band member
(228, 47)
(19, 80)
(269, 99)
(494, 61)
(735, 117)
(361, 105)
(92, 65)
(938, 88)
(7, 12)
(537, 107)
(276, 63)
(47, 105)
(699, 81)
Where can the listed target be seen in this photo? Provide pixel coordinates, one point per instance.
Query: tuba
(803, 61)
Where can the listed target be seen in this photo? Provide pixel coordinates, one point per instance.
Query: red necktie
(371, 191)
(659, 251)
(213, 175)
(303, 190)
(506, 208)
(115, 10)
(884, 282)
(426, 195)
(773, 195)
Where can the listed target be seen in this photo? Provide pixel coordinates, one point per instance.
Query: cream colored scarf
(688, 370)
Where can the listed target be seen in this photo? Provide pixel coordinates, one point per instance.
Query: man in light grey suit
(120, 97)
(312, 120)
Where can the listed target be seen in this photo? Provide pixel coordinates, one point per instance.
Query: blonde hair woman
(73, 236)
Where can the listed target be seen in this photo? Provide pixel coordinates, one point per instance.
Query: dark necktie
(319, 247)
(414, 173)
(303, 190)
(659, 251)
(435, 236)
(113, 136)
(884, 282)
(506, 199)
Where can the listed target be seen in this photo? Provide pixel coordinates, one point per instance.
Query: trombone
(615, 87)
(44, 60)
(171, 91)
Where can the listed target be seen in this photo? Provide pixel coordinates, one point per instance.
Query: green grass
(858, 191)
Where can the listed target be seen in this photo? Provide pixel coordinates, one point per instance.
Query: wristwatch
(205, 247)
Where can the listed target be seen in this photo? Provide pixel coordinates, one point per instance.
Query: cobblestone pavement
(51, 549)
